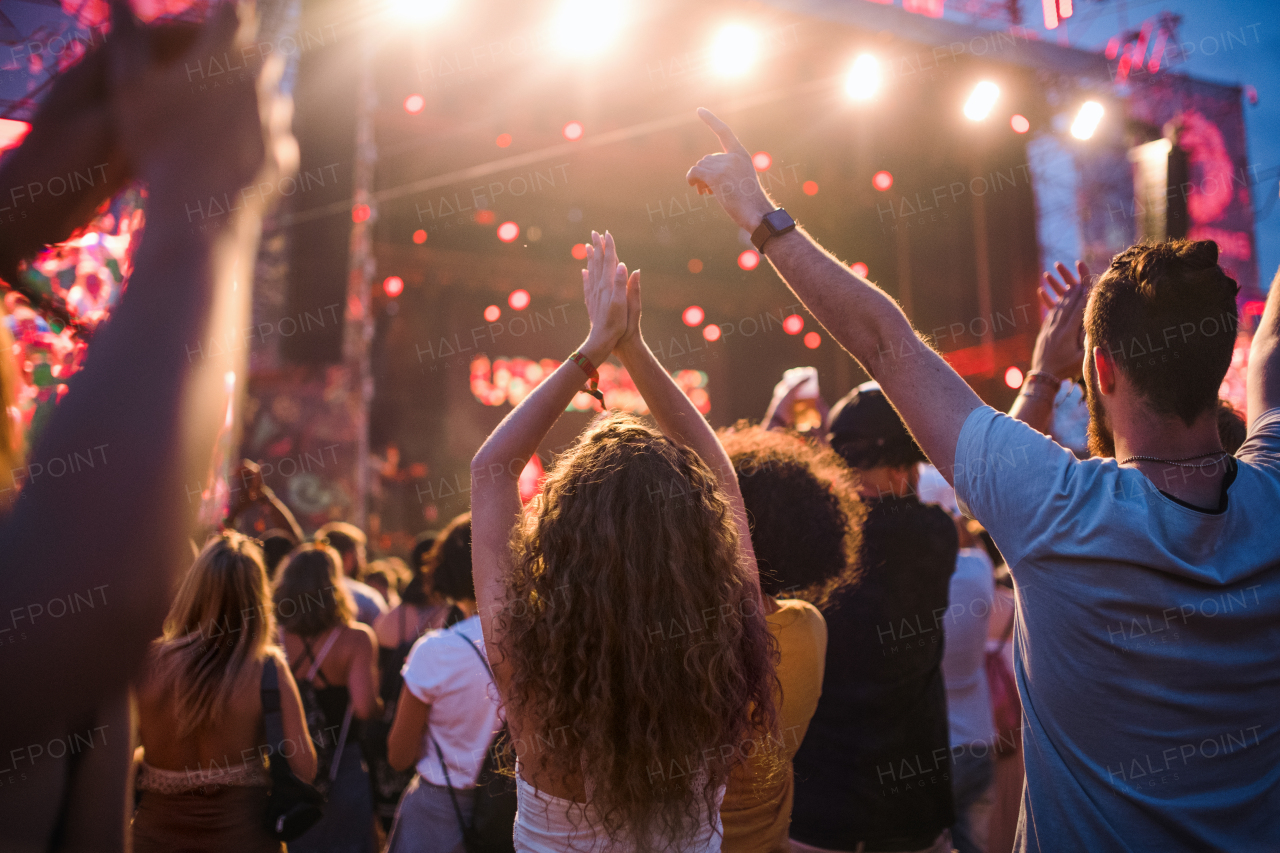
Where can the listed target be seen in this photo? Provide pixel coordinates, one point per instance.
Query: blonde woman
(202, 780)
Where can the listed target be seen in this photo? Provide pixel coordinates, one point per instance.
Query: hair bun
(1181, 272)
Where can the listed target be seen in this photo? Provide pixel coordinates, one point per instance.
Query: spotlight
(749, 260)
(812, 340)
(519, 299)
(711, 332)
(420, 236)
(393, 286)
(734, 50)
(864, 78)
(793, 325)
(585, 27)
(414, 104)
(859, 268)
(1019, 124)
(981, 101)
(492, 313)
(693, 316)
(762, 161)
(1087, 120)
(882, 180)
(420, 11)
(573, 131)
(508, 231)
(1013, 377)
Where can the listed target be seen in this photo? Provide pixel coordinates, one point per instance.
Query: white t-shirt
(964, 651)
(444, 671)
(1147, 641)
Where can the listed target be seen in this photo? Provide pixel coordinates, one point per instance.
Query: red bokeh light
(393, 286)
(749, 260)
(882, 180)
(1020, 124)
(360, 213)
(503, 140)
(793, 325)
(579, 251)
(573, 131)
(414, 104)
(1013, 377)
(810, 187)
(519, 299)
(859, 268)
(761, 160)
(812, 340)
(508, 231)
(420, 236)
(484, 217)
(695, 265)
(693, 316)
(492, 313)
(711, 332)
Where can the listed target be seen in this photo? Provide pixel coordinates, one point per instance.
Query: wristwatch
(775, 222)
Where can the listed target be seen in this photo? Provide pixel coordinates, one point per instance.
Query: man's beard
(1101, 440)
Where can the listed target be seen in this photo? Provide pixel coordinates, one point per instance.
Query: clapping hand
(606, 287)
(1059, 346)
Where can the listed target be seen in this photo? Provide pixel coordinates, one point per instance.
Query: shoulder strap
(484, 660)
(324, 651)
(271, 716)
(462, 823)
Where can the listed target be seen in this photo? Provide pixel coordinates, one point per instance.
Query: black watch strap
(775, 222)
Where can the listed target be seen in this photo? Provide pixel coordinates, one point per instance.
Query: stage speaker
(1160, 184)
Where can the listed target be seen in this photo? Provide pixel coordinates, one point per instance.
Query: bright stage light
(711, 332)
(420, 236)
(586, 27)
(507, 232)
(579, 251)
(360, 213)
(1019, 124)
(414, 104)
(859, 268)
(503, 140)
(812, 340)
(492, 313)
(1013, 377)
(793, 324)
(882, 180)
(749, 260)
(519, 299)
(864, 78)
(734, 50)
(1087, 120)
(393, 285)
(693, 316)
(810, 187)
(573, 131)
(981, 101)
(421, 11)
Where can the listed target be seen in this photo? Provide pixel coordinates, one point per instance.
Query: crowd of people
(908, 623)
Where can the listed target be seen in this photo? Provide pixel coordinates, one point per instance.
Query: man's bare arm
(1264, 363)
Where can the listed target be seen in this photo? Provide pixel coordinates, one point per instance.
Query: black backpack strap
(272, 720)
(462, 823)
(484, 660)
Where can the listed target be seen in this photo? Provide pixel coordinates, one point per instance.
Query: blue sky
(1257, 64)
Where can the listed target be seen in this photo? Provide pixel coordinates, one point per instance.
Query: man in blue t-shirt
(1147, 577)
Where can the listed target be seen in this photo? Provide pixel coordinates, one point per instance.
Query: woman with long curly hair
(622, 611)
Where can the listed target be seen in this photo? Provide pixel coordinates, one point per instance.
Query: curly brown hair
(606, 632)
(803, 508)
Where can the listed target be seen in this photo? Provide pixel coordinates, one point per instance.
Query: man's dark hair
(450, 561)
(1166, 312)
(802, 509)
(418, 590)
(1232, 429)
(345, 539)
(276, 545)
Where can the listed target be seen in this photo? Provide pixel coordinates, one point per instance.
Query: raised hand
(605, 286)
(730, 176)
(1059, 346)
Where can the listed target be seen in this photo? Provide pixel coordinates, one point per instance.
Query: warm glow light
(711, 332)
(695, 265)
(503, 140)
(420, 236)
(12, 132)
(1013, 377)
(484, 217)
(762, 161)
(492, 313)
(421, 11)
(810, 187)
(360, 213)
(414, 104)
(812, 340)
(573, 131)
(863, 80)
(981, 101)
(579, 251)
(586, 27)
(882, 180)
(393, 285)
(1087, 120)
(859, 268)
(749, 260)
(793, 325)
(734, 50)
(508, 231)
(693, 316)
(1050, 14)
(1019, 124)
(519, 299)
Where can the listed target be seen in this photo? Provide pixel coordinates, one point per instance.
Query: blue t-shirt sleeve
(1015, 480)
(1262, 447)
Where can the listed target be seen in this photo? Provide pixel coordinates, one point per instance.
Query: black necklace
(1181, 462)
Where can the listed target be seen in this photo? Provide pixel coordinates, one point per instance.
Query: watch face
(778, 219)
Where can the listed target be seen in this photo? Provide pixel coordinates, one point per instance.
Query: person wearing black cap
(874, 770)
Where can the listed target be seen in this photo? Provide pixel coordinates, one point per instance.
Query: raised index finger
(722, 131)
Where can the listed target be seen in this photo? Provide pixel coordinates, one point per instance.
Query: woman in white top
(623, 613)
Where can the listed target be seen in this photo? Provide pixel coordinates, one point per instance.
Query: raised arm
(677, 417)
(495, 470)
(1059, 350)
(931, 397)
(140, 420)
(1264, 357)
